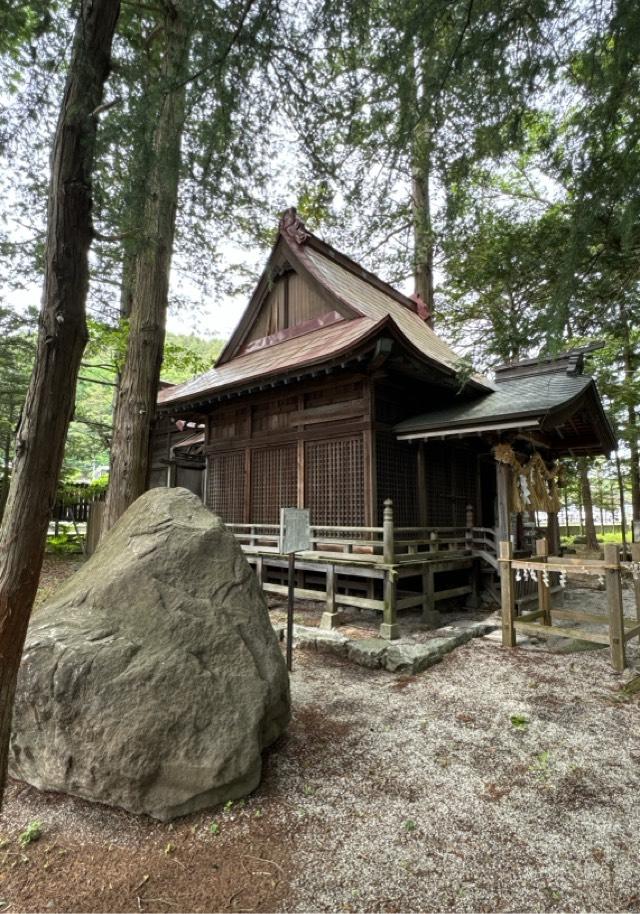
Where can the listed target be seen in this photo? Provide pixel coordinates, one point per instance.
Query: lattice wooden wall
(225, 485)
(451, 484)
(334, 481)
(274, 474)
(397, 478)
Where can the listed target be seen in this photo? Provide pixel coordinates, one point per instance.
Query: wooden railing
(388, 544)
(540, 622)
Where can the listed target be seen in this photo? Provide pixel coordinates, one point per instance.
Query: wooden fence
(617, 630)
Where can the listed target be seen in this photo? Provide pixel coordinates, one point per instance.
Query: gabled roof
(365, 305)
(544, 399)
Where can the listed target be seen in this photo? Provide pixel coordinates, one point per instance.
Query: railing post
(468, 533)
(433, 541)
(388, 536)
(544, 591)
(507, 593)
(635, 558)
(389, 628)
(614, 606)
(330, 617)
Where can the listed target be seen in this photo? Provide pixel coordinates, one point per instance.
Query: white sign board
(295, 530)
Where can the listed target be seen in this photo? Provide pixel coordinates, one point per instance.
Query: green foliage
(32, 833)
(519, 721)
(541, 764)
(64, 544)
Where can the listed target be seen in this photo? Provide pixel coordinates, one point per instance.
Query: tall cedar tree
(61, 341)
(410, 93)
(193, 141)
(150, 270)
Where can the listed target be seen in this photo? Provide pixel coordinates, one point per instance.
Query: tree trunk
(587, 501)
(630, 362)
(623, 514)
(422, 231)
(6, 461)
(634, 468)
(136, 401)
(61, 341)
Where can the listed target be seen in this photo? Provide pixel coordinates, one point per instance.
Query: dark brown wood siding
(309, 446)
(335, 481)
(225, 485)
(397, 478)
(451, 483)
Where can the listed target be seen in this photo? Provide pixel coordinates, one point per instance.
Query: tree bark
(630, 363)
(422, 231)
(61, 340)
(587, 501)
(423, 236)
(136, 400)
(623, 513)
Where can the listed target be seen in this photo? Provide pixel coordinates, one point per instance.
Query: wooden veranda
(387, 569)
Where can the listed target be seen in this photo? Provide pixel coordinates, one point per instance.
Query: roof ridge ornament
(422, 308)
(293, 227)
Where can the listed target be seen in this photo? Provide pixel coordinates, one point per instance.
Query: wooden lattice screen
(274, 473)
(397, 478)
(451, 484)
(334, 481)
(225, 485)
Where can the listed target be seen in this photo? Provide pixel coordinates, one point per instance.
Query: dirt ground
(495, 781)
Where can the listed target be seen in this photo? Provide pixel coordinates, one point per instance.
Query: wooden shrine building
(335, 394)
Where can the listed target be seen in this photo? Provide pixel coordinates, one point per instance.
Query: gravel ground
(495, 781)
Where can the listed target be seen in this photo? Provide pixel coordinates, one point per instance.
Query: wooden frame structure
(540, 622)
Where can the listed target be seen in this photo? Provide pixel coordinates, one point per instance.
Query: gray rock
(369, 652)
(397, 659)
(326, 641)
(153, 679)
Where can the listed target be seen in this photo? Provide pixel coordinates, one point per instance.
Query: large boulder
(153, 679)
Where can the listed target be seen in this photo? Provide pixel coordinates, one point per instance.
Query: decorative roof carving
(293, 227)
(422, 308)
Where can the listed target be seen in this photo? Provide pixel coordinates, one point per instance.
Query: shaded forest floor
(495, 781)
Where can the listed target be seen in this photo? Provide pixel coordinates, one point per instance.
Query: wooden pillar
(635, 557)
(614, 606)
(423, 507)
(544, 591)
(507, 592)
(330, 617)
(389, 628)
(504, 481)
(430, 615)
(553, 533)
